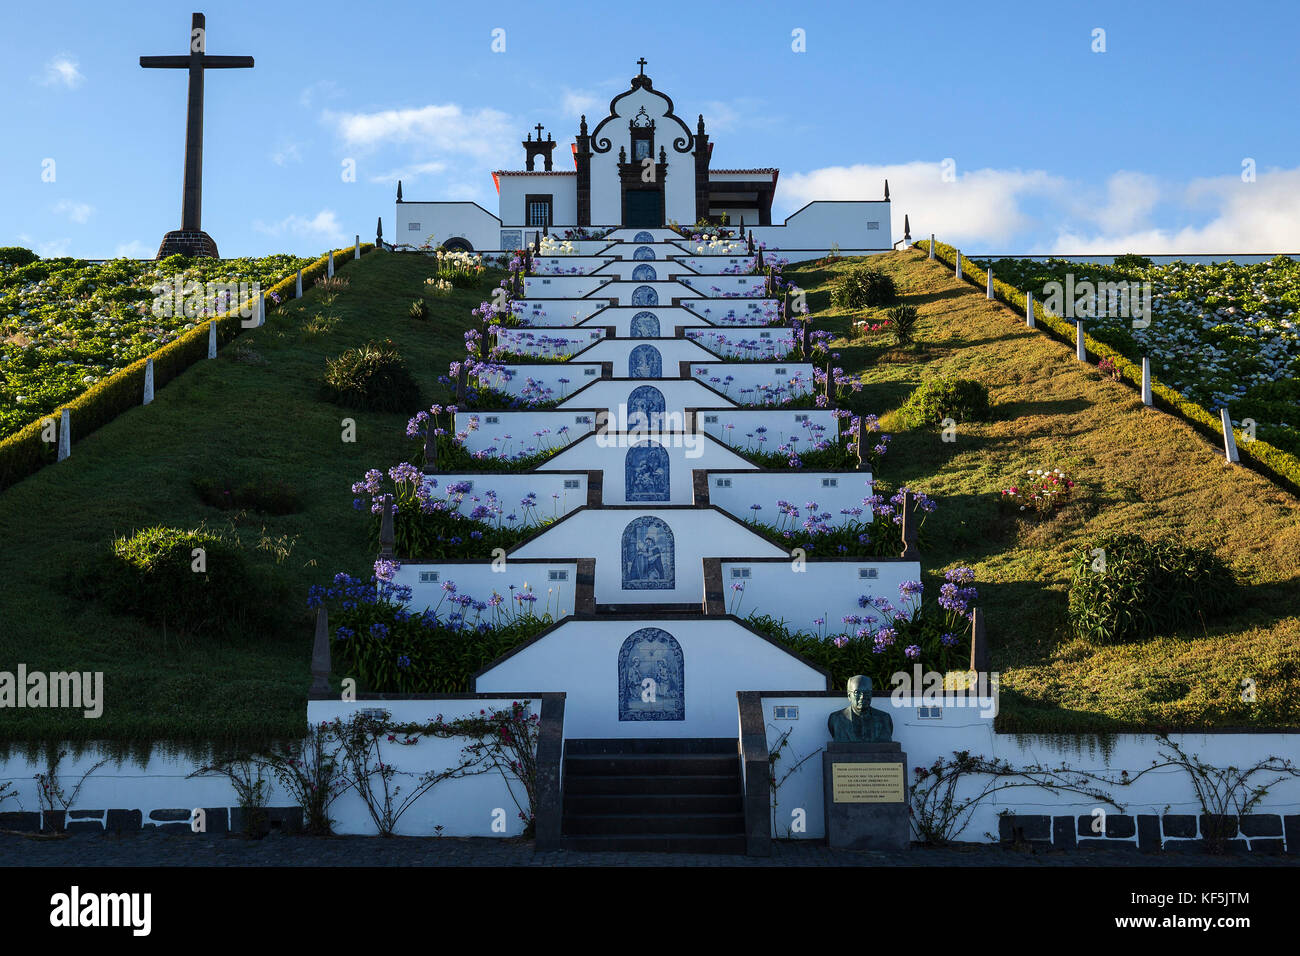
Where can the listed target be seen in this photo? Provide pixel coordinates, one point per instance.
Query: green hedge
(24, 453)
(1278, 465)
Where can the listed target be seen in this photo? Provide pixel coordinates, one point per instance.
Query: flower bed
(814, 531)
(887, 639)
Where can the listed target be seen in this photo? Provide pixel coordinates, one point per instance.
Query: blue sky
(1053, 147)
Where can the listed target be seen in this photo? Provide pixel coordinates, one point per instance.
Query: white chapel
(641, 166)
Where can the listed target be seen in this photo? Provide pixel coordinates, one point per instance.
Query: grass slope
(1140, 471)
(257, 407)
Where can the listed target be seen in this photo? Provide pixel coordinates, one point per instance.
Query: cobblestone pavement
(160, 848)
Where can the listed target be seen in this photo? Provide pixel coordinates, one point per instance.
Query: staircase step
(581, 804)
(676, 764)
(656, 843)
(671, 745)
(710, 824)
(647, 784)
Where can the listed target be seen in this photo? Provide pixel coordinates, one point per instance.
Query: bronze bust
(859, 722)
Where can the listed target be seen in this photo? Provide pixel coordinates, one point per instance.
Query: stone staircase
(680, 795)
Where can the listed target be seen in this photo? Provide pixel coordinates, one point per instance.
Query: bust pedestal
(866, 797)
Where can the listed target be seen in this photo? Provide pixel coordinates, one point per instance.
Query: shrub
(373, 377)
(902, 319)
(334, 283)
(268, 494)
(17, 255)
(419, 310)
(960, 399)
(863, 288)
(152, 575)
(1125, 587)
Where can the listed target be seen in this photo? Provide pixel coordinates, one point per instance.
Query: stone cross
(641, 63)
(190, 239)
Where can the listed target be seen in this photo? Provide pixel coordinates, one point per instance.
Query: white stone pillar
(1229, 439)
(329, 269)
(1029, 311)
(988, 292)
(212, 340)
(65, 434)
(261, 307)
(356, 250)
(297, 289)
(956, 269)
(148, 381)
(1079, 351)
(931, 245)
(1146, 380)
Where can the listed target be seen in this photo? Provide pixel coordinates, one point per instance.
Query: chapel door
(643, 209)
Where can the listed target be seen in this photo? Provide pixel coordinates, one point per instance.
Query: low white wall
(697, 534)
(824, 223)
(563, 287)
(622, 292)
(620, 319)
(608, 453)
(828, 590)
(835, 492)
(726, 286)
(465, 807)
(544, 382)
(556, 312)
(510, 433)
(734, 311)
(753, 344)
(926, 740)
(552, 581)
(738, 427)
(663, 269)
(417, 221)
(672, 353)
(719, 658)
(543, 342)
(717, 265)
(557, 494)
(679, 394)
(567, 265)
(755, 382)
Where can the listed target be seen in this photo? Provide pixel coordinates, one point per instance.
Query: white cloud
(76, 211)
(484, 134)
(411, 173)
(983, 204)
(577, 102)
(45, 248)
(323, 227)
(63, 71)
(286, 153)
(320, 90)
(1263, 216)
(135, 249)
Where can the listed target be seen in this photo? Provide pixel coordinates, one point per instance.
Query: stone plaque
(867, 783)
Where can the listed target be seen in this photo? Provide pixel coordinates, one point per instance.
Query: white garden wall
(557, 493)
(512, 433)
(669, 318)
(544, 342)
(608, 453)
(678, 394)
(663, 269)
(552, 580)
(556, 312)
(734, 311)
(927, 739)
(696, 534)
(720, 657)
(750, 382)
(564, 287)
(543, 382)
(568, 265)
(824, 589)
(834, 491)
(754, 344)
(739, 428)
(672, 352)
(718, 286)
